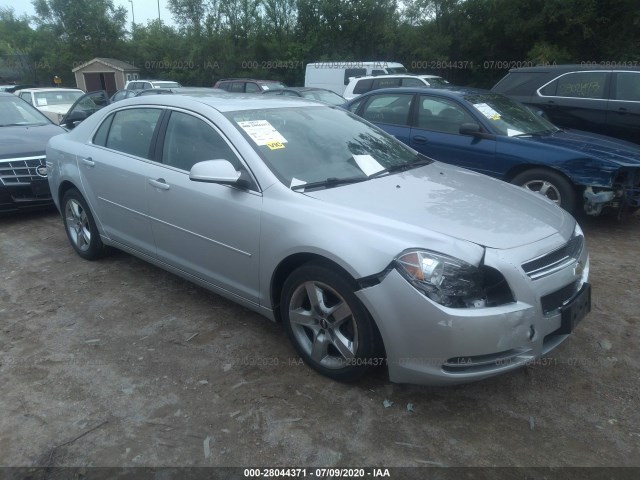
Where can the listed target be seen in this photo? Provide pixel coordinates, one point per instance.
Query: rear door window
(237, 87)
(253, 88)
(132, 130)
(388, 108)
(578, 85)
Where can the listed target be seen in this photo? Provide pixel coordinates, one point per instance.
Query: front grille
(21, 171)
(556, 260)
(557, 299)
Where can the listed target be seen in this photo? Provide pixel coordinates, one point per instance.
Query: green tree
(86, 28)
(16, 46)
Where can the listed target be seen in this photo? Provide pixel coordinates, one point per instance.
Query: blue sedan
(494, 135)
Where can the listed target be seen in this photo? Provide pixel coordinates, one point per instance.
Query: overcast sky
(143, 10)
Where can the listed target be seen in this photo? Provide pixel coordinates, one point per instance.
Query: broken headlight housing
(446, 280)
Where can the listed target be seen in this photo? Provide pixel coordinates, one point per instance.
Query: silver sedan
(367, 252)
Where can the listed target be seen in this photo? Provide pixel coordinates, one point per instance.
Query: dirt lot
(117, 362)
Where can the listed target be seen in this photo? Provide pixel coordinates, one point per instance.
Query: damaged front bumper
(427, 343)
(622, 195)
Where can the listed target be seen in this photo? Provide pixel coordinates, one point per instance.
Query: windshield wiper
(329, 182)
(419, 162)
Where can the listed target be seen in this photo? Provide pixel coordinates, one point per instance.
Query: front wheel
(551, 184)
(80, 227)
(326, 323)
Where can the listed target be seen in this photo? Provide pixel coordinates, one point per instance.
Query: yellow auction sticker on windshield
(487, 111)
(275, 145)
(263, 133)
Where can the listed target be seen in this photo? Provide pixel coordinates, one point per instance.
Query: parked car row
(492, 134)
(366, 249)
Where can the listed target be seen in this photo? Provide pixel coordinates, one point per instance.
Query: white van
(335, 75)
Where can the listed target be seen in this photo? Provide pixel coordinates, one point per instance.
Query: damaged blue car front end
(606, 171)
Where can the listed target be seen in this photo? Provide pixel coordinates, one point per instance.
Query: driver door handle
(419, 139)
(159, 183)
(88, 161)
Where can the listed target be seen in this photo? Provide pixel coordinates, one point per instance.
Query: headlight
(446, 280)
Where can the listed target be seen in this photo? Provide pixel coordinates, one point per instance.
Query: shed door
(101, 81)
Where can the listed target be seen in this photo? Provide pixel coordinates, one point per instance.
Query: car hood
(451, 201)
(593, 145)
(22, 141)
(59, 108)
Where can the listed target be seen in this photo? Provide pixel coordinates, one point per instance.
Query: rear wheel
(327, 324)
(550, 184)
(80, 227)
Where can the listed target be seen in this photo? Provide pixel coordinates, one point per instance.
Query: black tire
(80, 226)
(556, 187)
(341, 347)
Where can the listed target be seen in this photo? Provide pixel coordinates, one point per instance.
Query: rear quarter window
(521, 83)
(363, 86)
(353, 72)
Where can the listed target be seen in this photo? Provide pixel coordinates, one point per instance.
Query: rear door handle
(159, 183)
(88, 161)
(419, 139)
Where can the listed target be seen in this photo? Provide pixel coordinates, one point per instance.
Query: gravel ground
(118, 363)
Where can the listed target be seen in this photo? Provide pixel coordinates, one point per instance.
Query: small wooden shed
(107, 74)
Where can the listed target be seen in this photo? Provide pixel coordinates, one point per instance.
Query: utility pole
(133, 15)
(159, 21)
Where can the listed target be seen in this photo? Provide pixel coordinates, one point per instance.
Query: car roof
(574, 67)
(307, 89)
(51, 89)
(223, 102)
(248, 80)
(180, 90)
(448, 91)
(387, 75)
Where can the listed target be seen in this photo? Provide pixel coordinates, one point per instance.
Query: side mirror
(474, 130)
(470, 129)
(74, 117)
(218, 171)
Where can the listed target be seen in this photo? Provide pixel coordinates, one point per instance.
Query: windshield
(304, 145)
(272, 86)
(166, 84)
(508, 117)
(437, 81)
(331, 98)
(43, 99)
(15, 111)
(396, 70)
